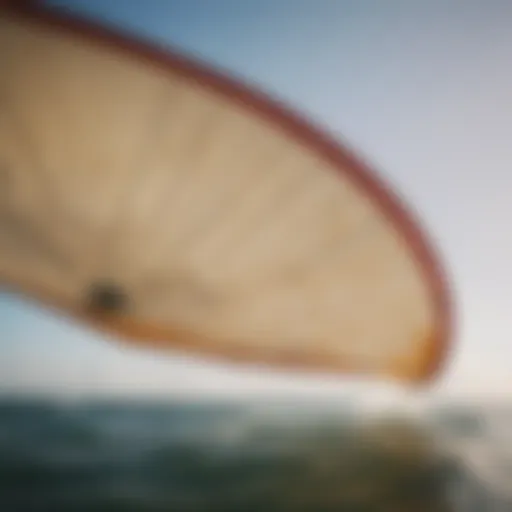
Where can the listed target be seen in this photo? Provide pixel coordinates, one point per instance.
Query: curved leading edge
(232, 301)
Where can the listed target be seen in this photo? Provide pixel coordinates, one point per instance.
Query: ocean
(158, 456)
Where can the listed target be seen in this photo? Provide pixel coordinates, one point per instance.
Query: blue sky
(422, 90)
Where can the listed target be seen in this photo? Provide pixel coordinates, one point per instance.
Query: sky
(421, 90)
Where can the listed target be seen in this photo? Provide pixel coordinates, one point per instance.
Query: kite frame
(337, 154)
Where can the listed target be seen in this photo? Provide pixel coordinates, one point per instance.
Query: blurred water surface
(130, 456)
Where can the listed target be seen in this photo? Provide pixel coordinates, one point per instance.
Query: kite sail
(159, 200)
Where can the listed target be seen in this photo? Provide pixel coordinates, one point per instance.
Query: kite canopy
(156, 199)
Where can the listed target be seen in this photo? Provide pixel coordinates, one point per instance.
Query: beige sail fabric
(145, 200)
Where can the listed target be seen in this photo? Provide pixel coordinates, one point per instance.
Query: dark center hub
(107, 297)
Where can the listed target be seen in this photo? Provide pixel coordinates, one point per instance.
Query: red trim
(341, 158)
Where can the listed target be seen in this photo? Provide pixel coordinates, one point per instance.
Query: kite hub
(107, 298)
